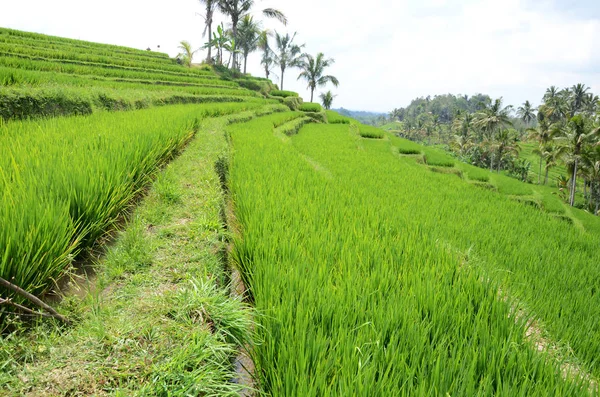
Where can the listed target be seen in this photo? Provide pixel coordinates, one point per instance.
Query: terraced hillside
(369, 265)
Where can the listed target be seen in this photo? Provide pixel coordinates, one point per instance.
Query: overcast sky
(387, 52)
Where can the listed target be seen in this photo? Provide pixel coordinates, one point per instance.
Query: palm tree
(313, 69)
(288, 53)
(578, 97)
(490, 119)
(574, 135)
(552, 154)
(526, 112)
(248, 36)
(236, 9)
(187, 53)
(267, 54)
(506, 145)
(327, 99)
(461, 144)
(542, 134)
(209, 11)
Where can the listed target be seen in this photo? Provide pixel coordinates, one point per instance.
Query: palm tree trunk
(546, 178)
(234, 21)
(540, 173)
(245, 60)
(573, 183)
(282, 70)
(209, 57)
(312, 90)
(492, 163)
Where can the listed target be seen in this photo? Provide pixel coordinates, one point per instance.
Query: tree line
(245, 35)
(484, 132)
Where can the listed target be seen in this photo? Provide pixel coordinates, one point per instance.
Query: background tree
(266, 58)
(187, 54)
(219, 40)
(313, 69)
(248, 37)
(526, 112)
(209, 11)
(574, 135)
(542, 135)
(288, 54)
(327, 99)
(236, 9)
(492, 118)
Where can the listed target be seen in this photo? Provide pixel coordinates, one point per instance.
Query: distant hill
(362, 116)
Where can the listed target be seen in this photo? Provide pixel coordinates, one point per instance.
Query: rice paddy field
(368, 265)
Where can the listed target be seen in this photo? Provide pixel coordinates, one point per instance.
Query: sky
(386, 52)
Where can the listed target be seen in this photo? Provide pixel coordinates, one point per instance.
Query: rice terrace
(203, 222)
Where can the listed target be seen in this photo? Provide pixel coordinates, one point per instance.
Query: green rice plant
(477, 174)
(10, 34)
(358, 301)
(433, 157)
(293, 126)
(447, 171)
(407, 147)
(310, 107)
(367, 131)
(283, 93)
(64, 182)
(334, 117)
(23, 103)
(90, 69)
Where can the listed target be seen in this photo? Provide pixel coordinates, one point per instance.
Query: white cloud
(386, 54)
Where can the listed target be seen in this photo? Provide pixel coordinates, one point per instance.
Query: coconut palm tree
(578, 96)
(506, 145)
(552, 154)
(186, 54)
(248, 36)
(209, 11)
(542, 135)
(288, 53)
(526, 112)
(463, 124)
(327, 99)
(266, 58)
(236, 9)
(574, 135)
(492, 118)
(313, 69)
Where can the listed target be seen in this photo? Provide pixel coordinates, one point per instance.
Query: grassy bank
(159, 319)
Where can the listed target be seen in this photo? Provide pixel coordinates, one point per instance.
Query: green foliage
(283, 93)
(332, 287)
(367, 131)
(293, 102)
(433, 157)
(66, 181)
(310, 107)
(334, 117)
